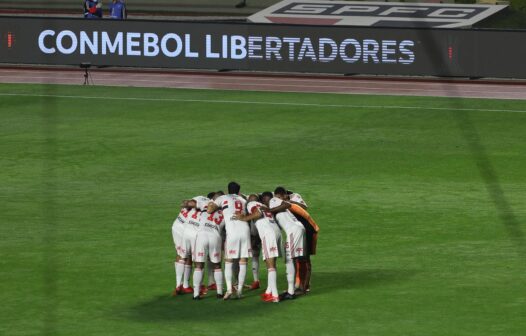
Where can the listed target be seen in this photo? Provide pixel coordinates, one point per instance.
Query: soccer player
(190, 232)
(207, 245)
(177, 234)
(237, 244)
(298, 207)
(255, 242)
(295, 233)
(270, 236)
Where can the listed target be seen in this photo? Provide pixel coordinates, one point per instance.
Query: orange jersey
(297, 210)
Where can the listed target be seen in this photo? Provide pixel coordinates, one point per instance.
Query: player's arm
(280, 208)
(300, 204)
(189, 204)
(212, 207)
(256, 214)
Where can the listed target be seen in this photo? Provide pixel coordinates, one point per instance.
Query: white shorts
(295, 243)
(177, 235)
(207, 245)
(237, 245)
(270, 244)
(188, 241)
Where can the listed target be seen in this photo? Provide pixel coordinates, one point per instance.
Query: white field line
(216, 101)
(340, 88)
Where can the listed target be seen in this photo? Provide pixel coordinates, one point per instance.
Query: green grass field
(421, 203)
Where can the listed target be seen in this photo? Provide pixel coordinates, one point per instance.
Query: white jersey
(211, 223)
(230, 205)
(208, 242)
(298, 199)
(286, 219)
(192, 222)
(181, 218)
(265, 223)
(178, 229)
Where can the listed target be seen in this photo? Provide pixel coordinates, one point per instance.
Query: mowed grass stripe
(214, 101)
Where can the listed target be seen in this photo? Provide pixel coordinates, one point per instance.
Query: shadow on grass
(183, 308)
(491, 180)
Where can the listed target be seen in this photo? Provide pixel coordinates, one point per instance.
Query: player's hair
(211, 195)
(280, 191)
(219, 193)
(266, 194)
(234, 188)
(290, 192)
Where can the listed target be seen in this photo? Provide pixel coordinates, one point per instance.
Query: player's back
(181, 218)
(286, 219)
(266, 222)
(192, 220)
(212, 223)
(230, 205)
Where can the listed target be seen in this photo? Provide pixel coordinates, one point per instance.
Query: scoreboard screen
(263, 47)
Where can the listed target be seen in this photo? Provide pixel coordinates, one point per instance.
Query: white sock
(198, 277)
(272, 281)
(211, 276)
(186, 278)
(218, 276)
(228, 276)
(241, 277)
(255, 268)
(291, 276)
(179, 272)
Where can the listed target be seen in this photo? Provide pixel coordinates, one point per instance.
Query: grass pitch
(420, 203)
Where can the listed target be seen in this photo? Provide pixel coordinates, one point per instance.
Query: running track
(271, 82)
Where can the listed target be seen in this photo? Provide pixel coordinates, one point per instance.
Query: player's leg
(177, 235)
(231, 253)
(308, 272)
(256, 248)
(290, 261)
(245, 252)
(186, 277)
(241, 276)
(214, 256)
(211, 278)
(218, 276)
(197, 279)
(179, 273)
(228, 278)
(273, 295)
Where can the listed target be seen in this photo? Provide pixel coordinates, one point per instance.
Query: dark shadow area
(491, 181)
(183, 308)
(477, 149)
(326, 282)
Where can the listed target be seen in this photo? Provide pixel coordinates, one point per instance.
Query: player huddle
(239, 228)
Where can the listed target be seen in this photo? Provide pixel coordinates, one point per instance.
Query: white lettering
(357, 50)
(209, 53)
(41, 41)
(273, 50)
(178, 45)
(92, 44)
(60, 42)
(107, 45)
(151, 45)
(333, 50)
(238, 48)
(187, 45)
